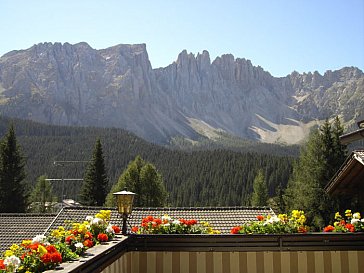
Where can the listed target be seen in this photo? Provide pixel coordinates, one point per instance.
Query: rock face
(68, 84)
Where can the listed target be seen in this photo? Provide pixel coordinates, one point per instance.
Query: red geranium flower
(329, 228)
(116, 229)
(46, 258)
(33, 246)
(148, 219)
(2, 265)
(235, 230)
(102, 237)
(260, 217)
(350, 227)
(88, 235)
(69, 239)
(51, 249)
(56, 257)
(134, 229)
(192, 222)
(302, 229)
(183, 221)
(88, 243)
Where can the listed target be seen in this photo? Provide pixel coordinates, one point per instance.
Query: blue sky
(280, 36)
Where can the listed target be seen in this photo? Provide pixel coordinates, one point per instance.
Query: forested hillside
(192, 178)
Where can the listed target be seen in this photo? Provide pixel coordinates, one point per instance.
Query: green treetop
(95, 181)
(12, 174)
(42, 198)
(260, 191)
(143, 179)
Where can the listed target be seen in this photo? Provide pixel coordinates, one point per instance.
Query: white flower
(39, 239)
(273, 219)
(12, 262)
(176, 222)
(79, 245)
(109, 229)
(97, 221)
(166, 218)
(362, 220)
(89, 218)
(166, 224)
(353, 221)
(356, 215)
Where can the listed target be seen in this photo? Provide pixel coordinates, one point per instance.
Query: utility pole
(62, 186)
(62, 163)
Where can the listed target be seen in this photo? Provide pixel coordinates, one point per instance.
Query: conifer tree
(155, 193)
(95, 181)
(143, 179)
(340, 150)
(12, 174)
(260, 191)
(42, 198)
(319, 159)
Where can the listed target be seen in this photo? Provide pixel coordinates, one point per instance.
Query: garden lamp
(124, 201)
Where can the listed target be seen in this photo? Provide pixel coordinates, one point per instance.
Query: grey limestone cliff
(117, 87)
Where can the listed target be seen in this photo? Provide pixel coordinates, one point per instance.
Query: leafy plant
(167, 225)
(271, 224)
(349, 223)
(63, 244)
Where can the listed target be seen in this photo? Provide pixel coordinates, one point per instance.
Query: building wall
(239, 262)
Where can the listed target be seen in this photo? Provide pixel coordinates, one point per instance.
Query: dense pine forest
(212, 177)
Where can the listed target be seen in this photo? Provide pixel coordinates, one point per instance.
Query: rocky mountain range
(194, 97)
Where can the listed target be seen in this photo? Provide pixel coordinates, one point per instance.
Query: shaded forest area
(192, 178)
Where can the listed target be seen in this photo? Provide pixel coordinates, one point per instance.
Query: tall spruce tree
(260, 191)
(12, 174)
(143, 179)
(95, 181)
(319, 159)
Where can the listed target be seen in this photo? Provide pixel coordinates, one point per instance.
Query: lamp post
(125, 205)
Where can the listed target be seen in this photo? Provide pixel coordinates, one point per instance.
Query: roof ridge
(12, 214)
(174, 208)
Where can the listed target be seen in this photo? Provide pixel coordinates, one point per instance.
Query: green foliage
(277, 202)
(143, 179)
(152, 182)
(42, 198)
(93, 191)
(260, 191)
(12, 174)
(320, 158)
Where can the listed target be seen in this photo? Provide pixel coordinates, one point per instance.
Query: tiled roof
(348, 180)
(360, 155)
(15, 227)
(221, 218)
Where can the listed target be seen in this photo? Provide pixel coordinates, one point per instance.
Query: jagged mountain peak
(117, 87)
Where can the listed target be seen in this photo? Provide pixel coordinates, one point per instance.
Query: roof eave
(351, 137)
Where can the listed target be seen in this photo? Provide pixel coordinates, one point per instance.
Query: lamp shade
(124, 201)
